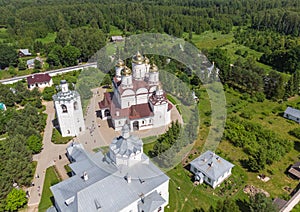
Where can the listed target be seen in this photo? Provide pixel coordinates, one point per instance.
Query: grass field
(209, 39)
(3, 34)
(51, 179)
(48, 39)
(269, 115)
(115, 31)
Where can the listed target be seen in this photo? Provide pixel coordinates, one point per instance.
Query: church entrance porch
(107, 113)
(135, 125)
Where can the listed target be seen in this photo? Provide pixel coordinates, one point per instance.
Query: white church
(137, 97)
(124, 179)
(68, 109)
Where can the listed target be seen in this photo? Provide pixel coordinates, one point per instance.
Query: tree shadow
(297, 146)
(243, 205)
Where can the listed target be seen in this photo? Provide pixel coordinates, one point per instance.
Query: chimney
(128, 178)
(85, 176)
(142, 197)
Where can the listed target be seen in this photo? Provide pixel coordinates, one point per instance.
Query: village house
(24, 53)
(124, 179)
(292, 114)
(30, 63)
(116, 38)
(39, 81)
(210, 168)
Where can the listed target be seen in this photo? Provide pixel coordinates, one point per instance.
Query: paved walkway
(48, 157)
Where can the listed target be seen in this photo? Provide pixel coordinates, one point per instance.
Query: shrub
(295, 132)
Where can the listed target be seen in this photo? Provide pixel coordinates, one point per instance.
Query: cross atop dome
(138, 58)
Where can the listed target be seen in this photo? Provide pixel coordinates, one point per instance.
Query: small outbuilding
(292, 114)
(116, 38)
(24, 53)
(210, 168)
(39, 81)
(295, 170)
(30, 63)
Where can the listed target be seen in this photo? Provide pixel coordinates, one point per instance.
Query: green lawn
(266, 113)
(48, 39)
(115, 31)
(209, 39)
(58, 139)
(51, 179)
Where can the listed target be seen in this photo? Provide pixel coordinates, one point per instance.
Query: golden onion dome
(153, 68)
(138, 58)
(147, 61)
(126, 71)
(120, 63)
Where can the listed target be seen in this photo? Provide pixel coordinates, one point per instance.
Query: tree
(227, 205)
(70, 55)
(48, 92)
(22, 65)
(260, 203)
(8, 56)
(62, 37)
(15, 199)
(37, 64)
(34, 143)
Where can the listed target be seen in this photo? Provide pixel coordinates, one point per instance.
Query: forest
(67, 32)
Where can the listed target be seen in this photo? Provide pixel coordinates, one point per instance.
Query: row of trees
(262, 146)
(22, 128)
(280, 51)
(248, 77)
(27, 22)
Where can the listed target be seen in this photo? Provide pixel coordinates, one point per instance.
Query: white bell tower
(68, 110)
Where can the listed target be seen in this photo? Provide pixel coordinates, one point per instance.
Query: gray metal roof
(126, 146)
(106, 185)
(65, 96)
(211, 165)
(151, 202)
(293, 112)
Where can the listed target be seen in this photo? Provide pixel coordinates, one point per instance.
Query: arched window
(75, 105)
(64, 108)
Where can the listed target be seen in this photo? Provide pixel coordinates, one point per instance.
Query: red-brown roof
(170, 106)
(105, 103)
(38, 78)
(140, 111)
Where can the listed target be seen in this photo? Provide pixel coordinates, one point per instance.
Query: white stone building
(122, 180)
(68, 109)
(138, 98)
(210, 168)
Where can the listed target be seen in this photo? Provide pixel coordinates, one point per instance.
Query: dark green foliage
(8, 56)
(262, 145)
(22, 65)
(15, 164)
(295, 132)
(34, 143)
(48, 92)
(260, 203)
